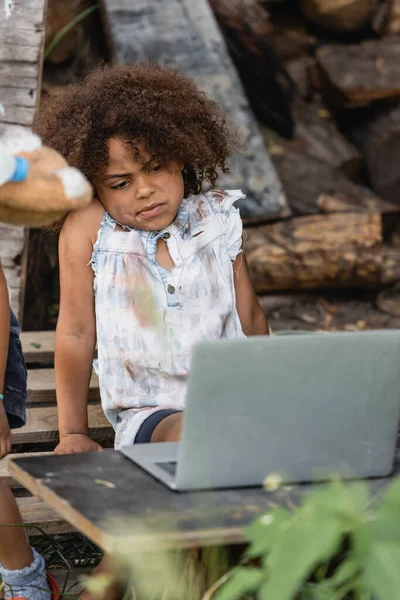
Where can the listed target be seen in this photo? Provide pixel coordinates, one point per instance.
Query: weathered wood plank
(22, 29)
(39, 517)
(186, 519)
(28, 54)
(38, 346)
(42, 426)
(42, 386)
(18, 115)
(5, 476)
(184, 33)
(21, 42)
(19, 97)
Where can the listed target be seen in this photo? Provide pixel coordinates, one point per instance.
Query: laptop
(303, 407)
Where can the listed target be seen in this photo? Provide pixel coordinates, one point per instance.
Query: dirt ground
(349, 311)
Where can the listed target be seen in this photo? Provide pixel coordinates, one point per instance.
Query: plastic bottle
(12, 168)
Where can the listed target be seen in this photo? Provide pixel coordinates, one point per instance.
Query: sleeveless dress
(149, 318)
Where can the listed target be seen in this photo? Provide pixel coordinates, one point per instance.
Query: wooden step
(38, 346)
(42, 426)
(36, 514)
(5, 477)
(42, 386)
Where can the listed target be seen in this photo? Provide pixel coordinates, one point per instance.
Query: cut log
(339, 15)
(393, 23)
(22, 25)
(290, 38)
(298, 70)
(313, 186)
(318, 136)
(381, 140)
(184, 33)
(332, 251)
(388, 301)
(356, 75)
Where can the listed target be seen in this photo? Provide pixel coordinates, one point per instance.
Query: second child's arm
(76, 333)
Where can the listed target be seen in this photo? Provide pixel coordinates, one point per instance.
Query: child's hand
(74, 443)
(5, 433)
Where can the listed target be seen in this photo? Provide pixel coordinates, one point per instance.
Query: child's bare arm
(5, 434)
(76, 333)
(251, 315)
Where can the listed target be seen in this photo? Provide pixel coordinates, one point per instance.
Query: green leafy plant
(337, 545)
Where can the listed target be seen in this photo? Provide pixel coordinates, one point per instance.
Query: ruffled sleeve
(230, 217)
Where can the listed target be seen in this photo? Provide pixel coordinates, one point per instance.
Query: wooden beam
(39, 517)
(42, 427)
(38, 346)
(5, 476)
(42, 386)
(184, 33)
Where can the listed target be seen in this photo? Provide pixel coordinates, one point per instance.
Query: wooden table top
(106, 497)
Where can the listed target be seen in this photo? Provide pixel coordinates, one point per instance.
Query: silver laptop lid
(302, 406)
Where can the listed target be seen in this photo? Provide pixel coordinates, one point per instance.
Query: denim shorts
(15, 383)
(148, 426)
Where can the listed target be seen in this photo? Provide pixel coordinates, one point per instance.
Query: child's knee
(169, 429)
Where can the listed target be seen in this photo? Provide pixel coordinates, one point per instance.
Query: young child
(22, 570)
(154, 265)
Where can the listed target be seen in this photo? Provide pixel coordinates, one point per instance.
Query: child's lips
(151, 211)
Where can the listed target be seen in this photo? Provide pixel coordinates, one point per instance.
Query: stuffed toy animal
(37, 187)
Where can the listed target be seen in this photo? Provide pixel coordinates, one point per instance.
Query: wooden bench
(41, 430)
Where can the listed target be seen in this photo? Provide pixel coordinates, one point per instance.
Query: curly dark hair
(143, 104)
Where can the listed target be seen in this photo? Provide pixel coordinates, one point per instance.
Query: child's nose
(144, 188)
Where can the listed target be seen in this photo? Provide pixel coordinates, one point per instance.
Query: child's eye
(120, 186)
(155, 168)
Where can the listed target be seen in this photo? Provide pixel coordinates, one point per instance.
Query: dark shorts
(15, 383)
(148, 426)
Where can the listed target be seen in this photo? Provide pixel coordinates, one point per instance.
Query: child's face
(142, 196)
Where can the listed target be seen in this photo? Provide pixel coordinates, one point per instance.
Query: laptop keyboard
(169, 467)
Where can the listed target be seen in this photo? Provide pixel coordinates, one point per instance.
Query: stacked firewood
(324, 78)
